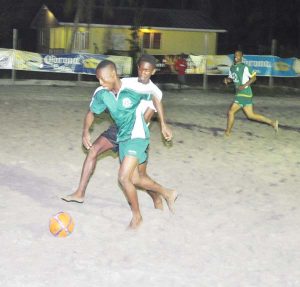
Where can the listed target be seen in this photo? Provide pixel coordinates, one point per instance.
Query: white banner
(6, 59)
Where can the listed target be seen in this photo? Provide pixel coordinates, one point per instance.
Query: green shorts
(134, 147)
(243, 101)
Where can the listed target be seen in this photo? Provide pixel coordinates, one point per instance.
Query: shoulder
(155, 89)
(100, 92)
(243, 65)
(246, 67)
(129, 81)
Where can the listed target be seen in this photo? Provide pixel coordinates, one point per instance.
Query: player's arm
(97, 106)
(227, 80)
(166, 131)
(87, 123)
(151, 110)
(251, 80)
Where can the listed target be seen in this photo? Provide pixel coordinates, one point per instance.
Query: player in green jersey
(108, 139)
(133, 134)
(242, 76)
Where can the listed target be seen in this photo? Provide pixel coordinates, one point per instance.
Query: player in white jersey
(108, 139)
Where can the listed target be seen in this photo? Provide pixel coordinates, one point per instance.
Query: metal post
(273, 52)
(205, 63)
(15, 41)
(79, 78)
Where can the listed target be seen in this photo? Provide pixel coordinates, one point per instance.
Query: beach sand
(237, 217)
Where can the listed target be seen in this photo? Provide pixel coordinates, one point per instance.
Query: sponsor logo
(126, 103)
(51, 59)
(4, 61)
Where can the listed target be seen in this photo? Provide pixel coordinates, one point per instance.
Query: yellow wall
(176, 42)
(172, 42)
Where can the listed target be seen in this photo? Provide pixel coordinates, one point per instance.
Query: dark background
(251, 24)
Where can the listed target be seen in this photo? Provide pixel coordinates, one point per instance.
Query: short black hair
(147, 58)
(106, 63)
(239, 51)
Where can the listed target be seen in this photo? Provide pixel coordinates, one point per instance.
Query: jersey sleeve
(97, 105)
(250, 72)
(156, 92)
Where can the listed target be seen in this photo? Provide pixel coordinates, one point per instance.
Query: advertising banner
(68, 63)
(272, 65)
(197, 64)
(166, 64)
(6, 59)
(220, 65)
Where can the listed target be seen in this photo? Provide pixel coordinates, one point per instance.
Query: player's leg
(103, 143)
(230, 117)
(147, 183)
(128, 165)
(179, 81)
(251, 115)
(157, 201)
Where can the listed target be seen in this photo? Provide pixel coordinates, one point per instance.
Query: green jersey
(123, 110)
(240, 73)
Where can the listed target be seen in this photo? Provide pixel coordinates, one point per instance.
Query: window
(151, 40)
(156, 40)
(81, 41)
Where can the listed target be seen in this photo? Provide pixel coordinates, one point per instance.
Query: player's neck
(117, 86)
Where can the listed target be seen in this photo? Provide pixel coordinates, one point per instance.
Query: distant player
(242, 76)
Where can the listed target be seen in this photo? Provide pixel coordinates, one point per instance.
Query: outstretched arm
(88, 121)
(166, 131)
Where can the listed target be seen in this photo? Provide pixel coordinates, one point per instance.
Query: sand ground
(237, 219)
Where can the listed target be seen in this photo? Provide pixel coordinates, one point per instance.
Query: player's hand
(86, 140)
(167, 133)
(242, 87)
(226, 81)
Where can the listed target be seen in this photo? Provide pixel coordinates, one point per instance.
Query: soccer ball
(61, 224)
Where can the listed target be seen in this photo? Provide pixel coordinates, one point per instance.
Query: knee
(231, 113)
(123, 178)
(136, 181)
(93, 152)
(250, 116)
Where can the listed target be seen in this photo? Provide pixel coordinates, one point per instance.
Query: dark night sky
(251, 24)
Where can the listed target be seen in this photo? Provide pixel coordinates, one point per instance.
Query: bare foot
(275, 126)
(135, 222)
(158, 203)
(171, 200)
(73, 198)
(227, 134)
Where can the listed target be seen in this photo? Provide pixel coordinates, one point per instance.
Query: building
(111, 30)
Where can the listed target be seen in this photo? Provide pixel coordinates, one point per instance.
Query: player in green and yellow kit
(243, 76)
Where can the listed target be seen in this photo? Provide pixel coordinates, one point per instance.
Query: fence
(268, 66)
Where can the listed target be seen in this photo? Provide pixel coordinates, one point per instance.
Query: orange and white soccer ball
(61, 224)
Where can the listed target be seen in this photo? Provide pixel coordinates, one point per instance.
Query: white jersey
(149, 88)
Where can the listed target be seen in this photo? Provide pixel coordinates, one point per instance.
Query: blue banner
(272, 65)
